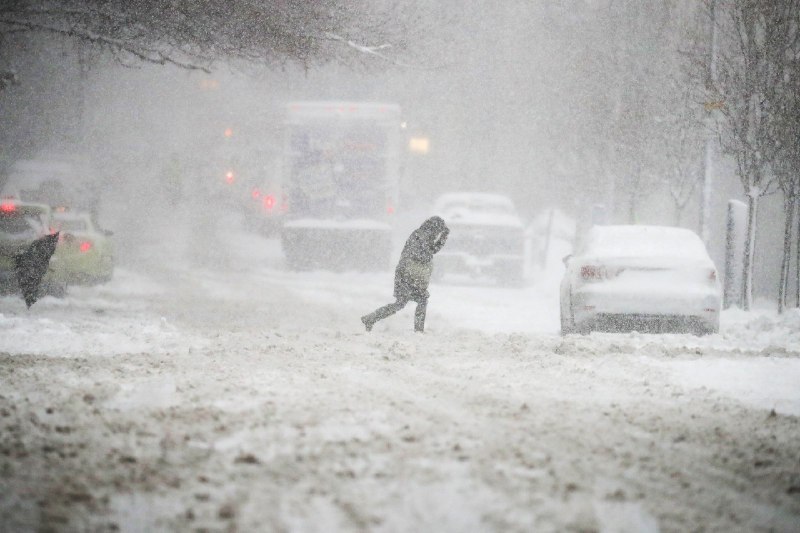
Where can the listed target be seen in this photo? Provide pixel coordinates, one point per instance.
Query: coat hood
(433, 225)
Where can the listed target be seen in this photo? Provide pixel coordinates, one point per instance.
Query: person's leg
(419, 315)
(383, 312)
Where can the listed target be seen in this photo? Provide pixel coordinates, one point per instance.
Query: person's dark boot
(419, 317)
(368, 322)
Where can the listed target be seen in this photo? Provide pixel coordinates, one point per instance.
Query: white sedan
(643, 278)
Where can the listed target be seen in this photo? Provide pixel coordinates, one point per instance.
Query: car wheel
(56, 290)
(702, 331)
(294, 259)
(99, 280)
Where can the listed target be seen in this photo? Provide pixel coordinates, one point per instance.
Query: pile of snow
(107, 320)
(764, 383)
(763, 329)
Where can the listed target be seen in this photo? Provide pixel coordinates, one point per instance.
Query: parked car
(21, 223)
(486, 237)
(86, 252)
(643, 278)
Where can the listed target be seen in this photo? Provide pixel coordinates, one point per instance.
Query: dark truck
(486, 237)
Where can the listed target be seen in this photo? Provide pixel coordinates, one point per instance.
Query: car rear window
(18, 224)
(645, 242)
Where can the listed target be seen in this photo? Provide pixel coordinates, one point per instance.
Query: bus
(340, 183)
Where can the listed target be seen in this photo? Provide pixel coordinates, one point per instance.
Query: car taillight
(229, 177)
(256, 194)
(85, 246)
(8, 207)
(592, 273)
(390, 209)
(269, 201)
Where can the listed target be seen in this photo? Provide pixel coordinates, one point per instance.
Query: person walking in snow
(413, 273)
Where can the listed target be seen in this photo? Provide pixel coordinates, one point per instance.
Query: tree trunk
(788, 210)
(797, 251)
(749, 248)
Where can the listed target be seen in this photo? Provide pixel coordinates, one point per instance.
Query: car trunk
(651, 273)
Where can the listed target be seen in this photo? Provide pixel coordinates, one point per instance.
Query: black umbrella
(32, 264)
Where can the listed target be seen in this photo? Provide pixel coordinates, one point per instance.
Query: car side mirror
(566, 259)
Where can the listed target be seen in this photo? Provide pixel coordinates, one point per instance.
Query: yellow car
(85, 252)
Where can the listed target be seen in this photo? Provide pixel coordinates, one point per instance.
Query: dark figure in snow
(413, 273)
(32, 264)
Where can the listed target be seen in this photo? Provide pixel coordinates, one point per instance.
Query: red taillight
(269, 201)
(8, 207)
(390, 209)
(589, 272)
(229, 177)
(256, 194)
(85, 246)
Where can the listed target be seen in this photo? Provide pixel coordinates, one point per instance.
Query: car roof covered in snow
(470, 198)
(477, 208)
(71, 215)
(644, 241)
(10, 205)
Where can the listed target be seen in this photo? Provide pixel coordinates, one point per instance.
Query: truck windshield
(338, 169)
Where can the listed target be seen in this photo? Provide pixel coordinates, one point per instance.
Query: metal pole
(706, 205)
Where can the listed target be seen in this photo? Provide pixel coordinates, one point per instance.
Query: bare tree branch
(192, 34)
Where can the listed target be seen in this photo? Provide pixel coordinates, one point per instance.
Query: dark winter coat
(32, 264)
(413, 272)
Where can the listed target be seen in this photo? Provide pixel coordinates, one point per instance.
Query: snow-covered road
(212, 390)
